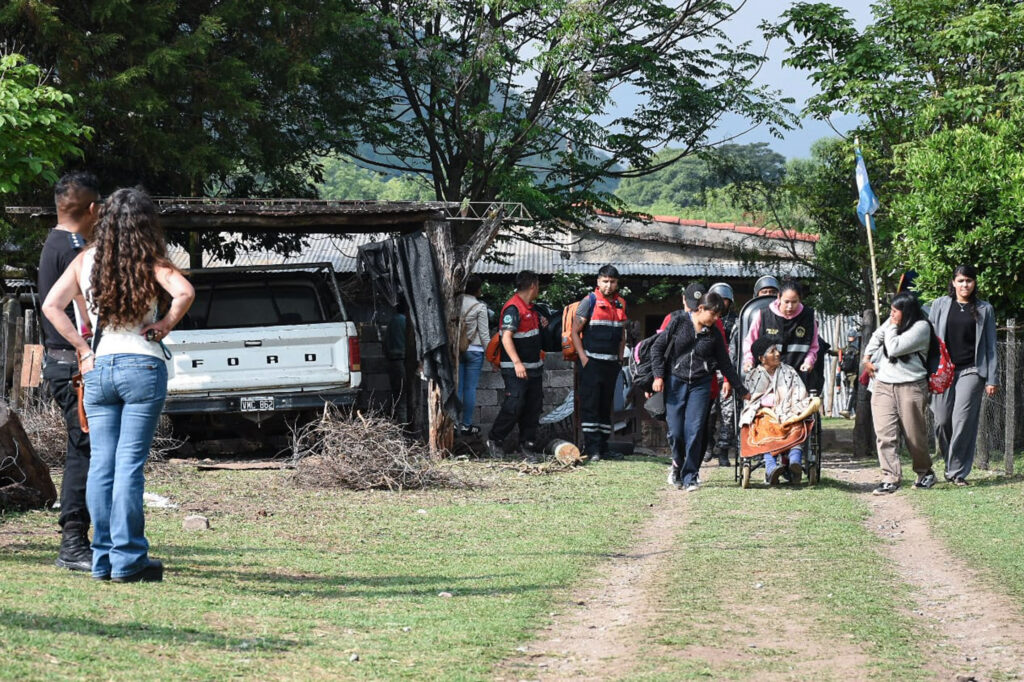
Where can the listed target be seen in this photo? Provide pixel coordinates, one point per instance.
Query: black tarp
(404, 267)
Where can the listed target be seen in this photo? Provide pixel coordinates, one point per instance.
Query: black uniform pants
(598, 380)
(524, 399)
(76, 465)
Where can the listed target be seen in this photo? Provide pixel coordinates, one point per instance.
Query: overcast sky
(791, 82)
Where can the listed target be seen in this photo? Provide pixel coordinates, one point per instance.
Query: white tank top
(118, 340)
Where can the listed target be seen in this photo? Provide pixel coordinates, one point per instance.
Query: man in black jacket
(77, 197)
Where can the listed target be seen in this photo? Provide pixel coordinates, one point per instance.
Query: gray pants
(726, 430)
(957, 413)
(896, 406)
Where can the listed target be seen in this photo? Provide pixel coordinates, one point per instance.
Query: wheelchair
(746, 466)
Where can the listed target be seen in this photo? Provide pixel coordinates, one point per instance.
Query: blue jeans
(771, 462)
(469, 376)
(686, 410)
(124, 395)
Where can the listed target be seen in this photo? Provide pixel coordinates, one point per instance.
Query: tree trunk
(454, 264)
(22, 469)
(864, 427)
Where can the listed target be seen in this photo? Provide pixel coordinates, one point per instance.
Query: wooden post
(19, 343)
(1010, 386)
(864, 428)
(5, 333)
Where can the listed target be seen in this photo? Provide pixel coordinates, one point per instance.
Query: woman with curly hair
(125, 277)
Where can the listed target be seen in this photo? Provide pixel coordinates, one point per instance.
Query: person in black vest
(792, 326)
(77, 196)
(522, 368)
(723, 436)
(598, 333)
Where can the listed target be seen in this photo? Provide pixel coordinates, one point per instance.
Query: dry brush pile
(365, 453)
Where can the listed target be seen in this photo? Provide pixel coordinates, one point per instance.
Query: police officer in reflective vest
(601, 322)
(521, 367)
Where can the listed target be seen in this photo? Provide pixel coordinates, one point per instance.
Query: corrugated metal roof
(506, 257)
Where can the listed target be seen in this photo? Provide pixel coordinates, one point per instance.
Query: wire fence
(1002, 426)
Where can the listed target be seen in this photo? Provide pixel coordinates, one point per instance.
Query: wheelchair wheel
(745, 476)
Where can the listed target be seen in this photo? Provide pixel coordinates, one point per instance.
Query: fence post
(1010, 425)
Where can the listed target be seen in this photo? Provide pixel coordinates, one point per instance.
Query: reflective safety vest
(602, 337)
(793, 336)
(526, 338)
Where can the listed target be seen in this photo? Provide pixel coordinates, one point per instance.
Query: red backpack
(940, 367)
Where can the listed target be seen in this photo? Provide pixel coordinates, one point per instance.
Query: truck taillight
(353, 354)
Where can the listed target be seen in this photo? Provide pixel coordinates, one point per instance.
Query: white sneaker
(694, 485)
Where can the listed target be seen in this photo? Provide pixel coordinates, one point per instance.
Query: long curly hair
(129, 244)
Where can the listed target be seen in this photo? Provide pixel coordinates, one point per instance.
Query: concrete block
(489, 379)
(558, 379)
(555, 361)
(487, 397)
(489, 414)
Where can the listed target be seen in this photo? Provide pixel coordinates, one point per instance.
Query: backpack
(568, 317)
(937, 363)
(851, 360)
(493, 351)
(940, 366)
(640, 367)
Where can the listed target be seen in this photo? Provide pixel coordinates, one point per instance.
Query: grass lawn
(291, 583)
(801, 554)
(982, 523)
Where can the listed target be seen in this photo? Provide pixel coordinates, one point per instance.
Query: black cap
(692, 294)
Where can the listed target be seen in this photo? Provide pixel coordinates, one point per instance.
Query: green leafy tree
(37, 134)
(37, 131)
(511, 101)
(965, 204)
(343, 179)
(698, 187)
(924, 71)
(214, 97)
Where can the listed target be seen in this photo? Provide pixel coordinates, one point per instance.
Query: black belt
(62, 355)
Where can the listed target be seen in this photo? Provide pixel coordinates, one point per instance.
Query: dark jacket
(693, 357)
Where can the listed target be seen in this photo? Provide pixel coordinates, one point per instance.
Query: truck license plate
(258, 403)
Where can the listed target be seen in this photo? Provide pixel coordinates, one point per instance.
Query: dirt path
(599, 632)
(969, 629)
(603, 629)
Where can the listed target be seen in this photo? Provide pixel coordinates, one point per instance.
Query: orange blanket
(767, 436)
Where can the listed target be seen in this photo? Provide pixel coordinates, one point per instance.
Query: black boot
(75, 553)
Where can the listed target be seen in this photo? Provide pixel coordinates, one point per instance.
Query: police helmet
(723, 290)
(766, 282)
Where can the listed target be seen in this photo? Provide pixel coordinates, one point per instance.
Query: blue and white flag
(868, 203)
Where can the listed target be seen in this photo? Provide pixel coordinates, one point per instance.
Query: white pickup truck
(260, 342)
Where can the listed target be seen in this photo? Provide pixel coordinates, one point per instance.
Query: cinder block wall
(490, 391)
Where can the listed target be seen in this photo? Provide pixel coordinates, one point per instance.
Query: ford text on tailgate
(263, 340)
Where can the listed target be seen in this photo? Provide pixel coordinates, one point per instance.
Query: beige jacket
(474, 318)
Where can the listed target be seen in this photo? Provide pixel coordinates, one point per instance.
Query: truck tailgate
(308, 357)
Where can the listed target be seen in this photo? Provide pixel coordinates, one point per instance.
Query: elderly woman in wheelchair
(777, 420)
